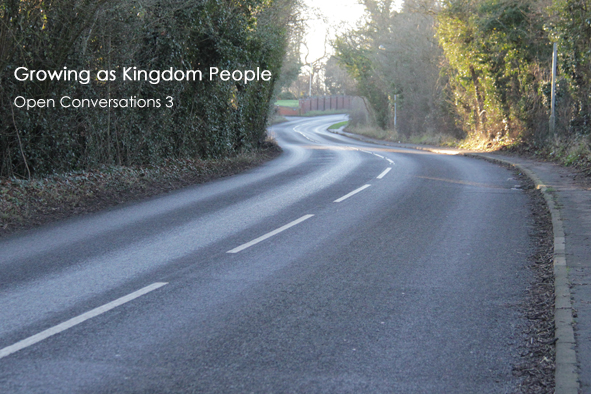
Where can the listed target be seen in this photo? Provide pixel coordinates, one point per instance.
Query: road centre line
(375, 154)
(269, 235)
(352, 193)
(306, 137)
(77, 320)
(387, 170)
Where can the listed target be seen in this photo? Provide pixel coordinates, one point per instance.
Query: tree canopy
(477, 67)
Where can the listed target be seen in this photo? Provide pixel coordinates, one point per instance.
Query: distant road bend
(338, 267)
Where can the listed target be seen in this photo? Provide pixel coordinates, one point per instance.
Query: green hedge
(209, 119)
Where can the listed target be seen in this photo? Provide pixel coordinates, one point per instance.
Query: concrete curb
(566, 374)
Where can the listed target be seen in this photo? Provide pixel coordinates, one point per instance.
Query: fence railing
(325, 103)
(318, 103)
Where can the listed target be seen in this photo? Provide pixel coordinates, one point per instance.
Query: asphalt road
(339, 267)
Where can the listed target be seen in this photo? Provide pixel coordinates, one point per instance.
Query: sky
(337, 13)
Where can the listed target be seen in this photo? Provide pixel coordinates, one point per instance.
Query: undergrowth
(27, 203)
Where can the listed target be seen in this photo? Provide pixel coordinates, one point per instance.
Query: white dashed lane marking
(269, 234)
(77, 320)
(383, 174)
(352, 193)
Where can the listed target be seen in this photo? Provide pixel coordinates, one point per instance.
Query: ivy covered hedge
(209, 119)
(499, 56)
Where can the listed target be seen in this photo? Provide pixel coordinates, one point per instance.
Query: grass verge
(337, 126)
(569, 151)
(439, 139)
(29, 203)
(288, 103)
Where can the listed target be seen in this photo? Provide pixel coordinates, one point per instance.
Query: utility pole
(383, 48)
(395, 103)
(553, 97)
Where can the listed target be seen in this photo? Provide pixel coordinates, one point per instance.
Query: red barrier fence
(325, 103)
(318, 103)
(288, 111)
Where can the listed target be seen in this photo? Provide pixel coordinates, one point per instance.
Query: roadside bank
(26, 204)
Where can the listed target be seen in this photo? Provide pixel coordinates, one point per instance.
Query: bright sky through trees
(337, 15)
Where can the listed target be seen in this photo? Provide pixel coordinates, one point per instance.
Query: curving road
(340, 267)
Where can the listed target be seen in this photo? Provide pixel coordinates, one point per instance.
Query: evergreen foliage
(209, 119)
(495, 50)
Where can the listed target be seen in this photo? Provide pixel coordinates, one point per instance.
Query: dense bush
(494, 51)
(488, 73)
(499, 63)
(208, 119)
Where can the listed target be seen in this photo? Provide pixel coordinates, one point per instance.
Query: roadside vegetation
(476, 74)
(288, 103)
(209, 119)
(27, 203)
(55, 162)
(337, 126)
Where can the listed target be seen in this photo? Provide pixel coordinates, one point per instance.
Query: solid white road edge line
(269, 235)
(77, 320)
(383, 174)
(352, 193)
